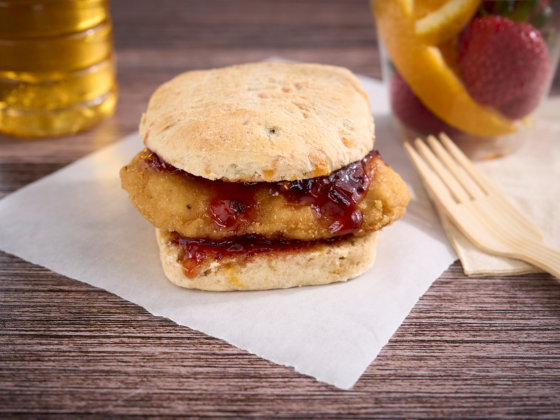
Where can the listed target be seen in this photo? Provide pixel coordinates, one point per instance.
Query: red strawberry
(412, 112)
(504, 64)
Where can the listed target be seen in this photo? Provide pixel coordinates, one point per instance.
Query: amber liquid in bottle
(57, 69)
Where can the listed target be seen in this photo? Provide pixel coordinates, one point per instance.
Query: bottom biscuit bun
(320, 264)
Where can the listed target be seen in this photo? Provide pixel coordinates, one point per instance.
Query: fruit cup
(474, 69)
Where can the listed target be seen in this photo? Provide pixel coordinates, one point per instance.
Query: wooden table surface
(472, 347)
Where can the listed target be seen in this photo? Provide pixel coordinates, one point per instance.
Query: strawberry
(504, 64)
(412, 112)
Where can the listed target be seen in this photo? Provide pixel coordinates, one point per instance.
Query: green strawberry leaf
(516, 10)
(524, 10)
(542, 18)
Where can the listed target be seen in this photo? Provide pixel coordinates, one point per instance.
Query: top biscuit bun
(266, 121)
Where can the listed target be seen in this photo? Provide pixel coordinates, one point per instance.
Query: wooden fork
(477, 208)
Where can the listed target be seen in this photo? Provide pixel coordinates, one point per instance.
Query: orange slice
(430, 78)
(445, 22)
(423, 8)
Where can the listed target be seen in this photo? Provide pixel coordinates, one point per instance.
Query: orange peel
(423, 8)
(430, 78)
(446, 21)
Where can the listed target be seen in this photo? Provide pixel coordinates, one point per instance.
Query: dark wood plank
(486, 347)
(471, 347)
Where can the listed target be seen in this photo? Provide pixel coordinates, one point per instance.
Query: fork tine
(430, 178)
(466, 181)
(460, 157)
(440, 194)
(505, 205)
(455, 188)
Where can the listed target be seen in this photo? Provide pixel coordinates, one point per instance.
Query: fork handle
(541, 256)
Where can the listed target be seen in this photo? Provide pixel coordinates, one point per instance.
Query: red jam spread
(199, 251)
(335, 198)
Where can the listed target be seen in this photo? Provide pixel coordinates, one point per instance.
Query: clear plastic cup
(476, 70)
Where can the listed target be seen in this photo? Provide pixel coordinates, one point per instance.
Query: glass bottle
(57, 66)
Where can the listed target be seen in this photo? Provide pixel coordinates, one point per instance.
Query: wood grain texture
(486, 347)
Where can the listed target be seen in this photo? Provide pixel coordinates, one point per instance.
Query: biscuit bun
(266, 121)
(321, 264)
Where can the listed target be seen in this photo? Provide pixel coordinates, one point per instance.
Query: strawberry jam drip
(198, 252)
(233, 203)
(335, 198)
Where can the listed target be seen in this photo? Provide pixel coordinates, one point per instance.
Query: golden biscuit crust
(179, 203)
(322, 264)
(258, 122)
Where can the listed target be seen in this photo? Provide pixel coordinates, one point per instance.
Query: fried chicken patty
(175, 202)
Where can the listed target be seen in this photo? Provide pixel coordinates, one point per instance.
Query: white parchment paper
(78, 222)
